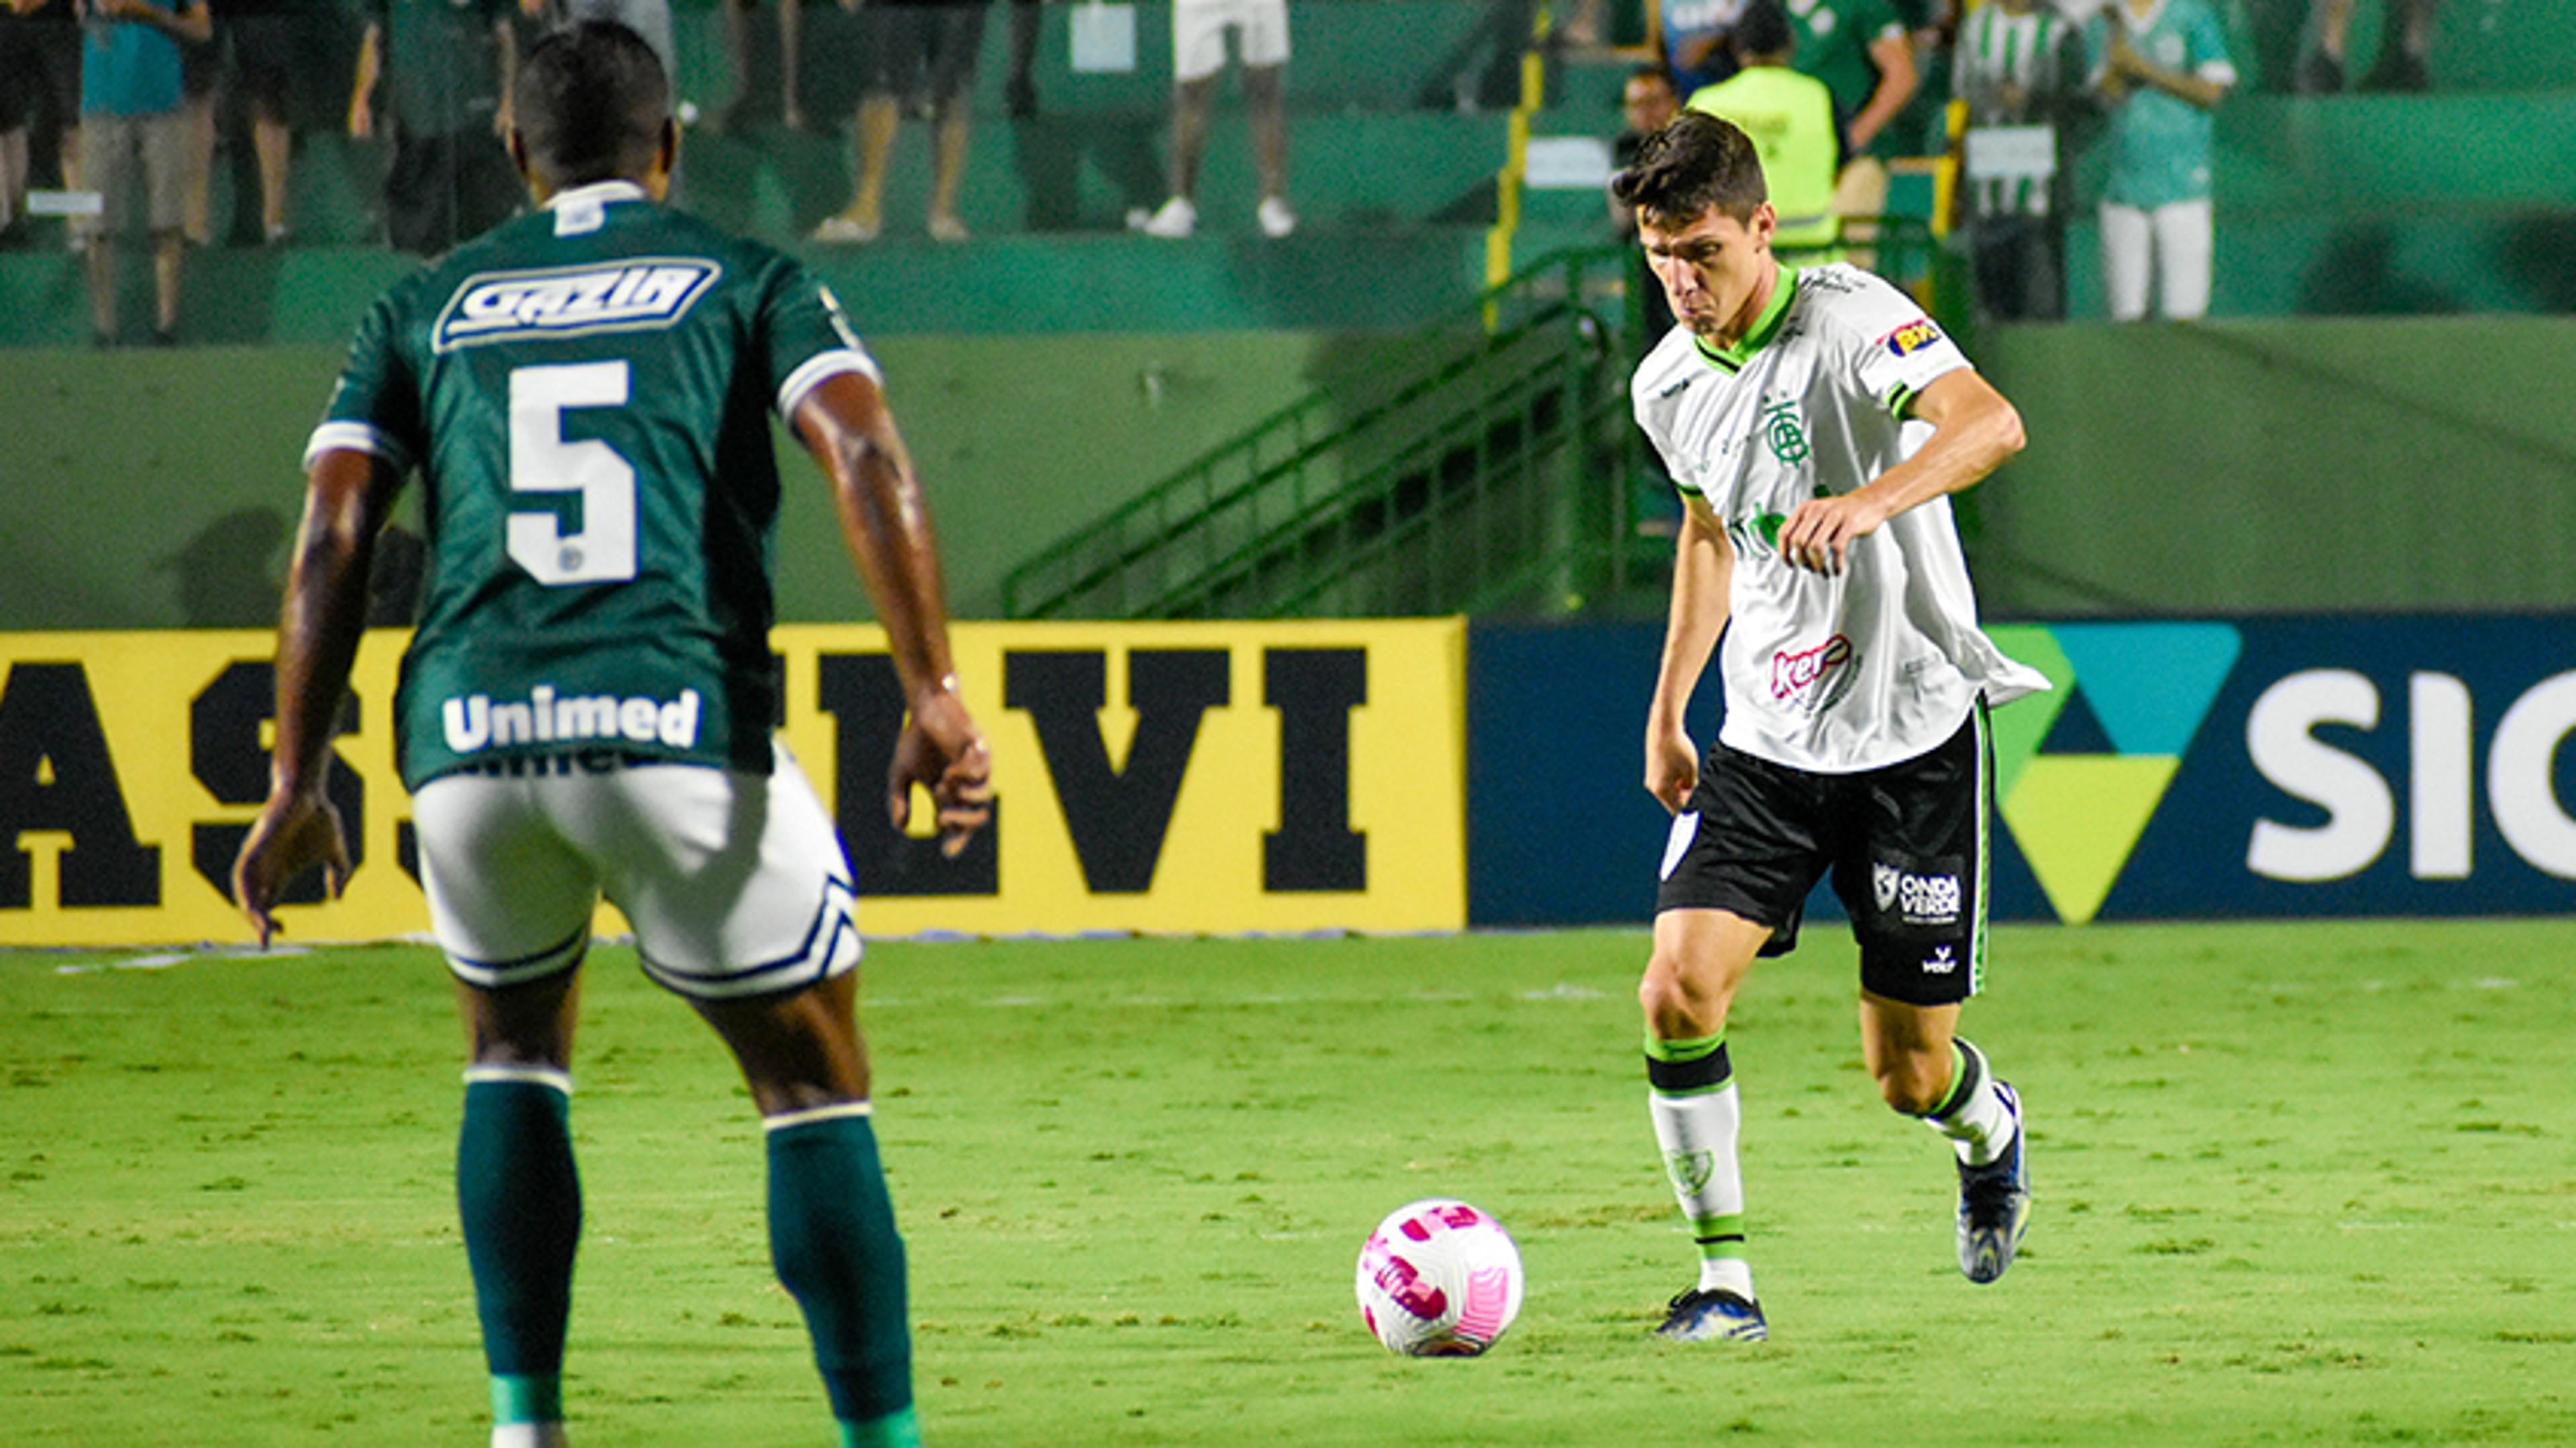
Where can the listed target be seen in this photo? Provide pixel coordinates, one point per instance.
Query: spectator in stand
(1789, 116)
(912, 47)
(1864, 54)
(1198, 57)
(264, 45)
(2405, 39)
(1020, 92)
(451, 63)
(2161, 67)
(1647, 104)
(134, 116)
(1690, 36)
(2015, 67)
(21, 81)
(738, 113)
(52, 28)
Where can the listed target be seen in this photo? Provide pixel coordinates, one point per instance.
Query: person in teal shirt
(131, 111)
(2161, 67)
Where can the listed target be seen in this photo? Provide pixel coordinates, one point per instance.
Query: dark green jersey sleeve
(375, 408)
(807, 337)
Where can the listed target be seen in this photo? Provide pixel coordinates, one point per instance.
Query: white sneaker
(1174, 222)
(1276, 219)
(841, 230)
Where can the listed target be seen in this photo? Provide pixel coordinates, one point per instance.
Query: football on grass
(1439, 1278)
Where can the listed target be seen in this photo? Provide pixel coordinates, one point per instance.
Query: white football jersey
(1881, 662)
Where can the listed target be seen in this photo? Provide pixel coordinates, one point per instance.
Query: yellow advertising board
(1183, 778)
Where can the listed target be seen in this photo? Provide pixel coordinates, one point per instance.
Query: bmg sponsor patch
(1911, 338)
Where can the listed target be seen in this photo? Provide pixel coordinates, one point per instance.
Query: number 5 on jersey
(602, 550)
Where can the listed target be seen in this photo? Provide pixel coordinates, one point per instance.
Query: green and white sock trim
(838, 1111)
(546, 1076)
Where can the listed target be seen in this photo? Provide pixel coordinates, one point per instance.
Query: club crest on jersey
(1782, 432)
(1911, 338)
(643, 293)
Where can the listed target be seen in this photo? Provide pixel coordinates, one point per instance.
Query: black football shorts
(1906, 845)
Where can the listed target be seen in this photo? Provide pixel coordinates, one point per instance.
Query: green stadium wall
(2415, 464)
(155, 489)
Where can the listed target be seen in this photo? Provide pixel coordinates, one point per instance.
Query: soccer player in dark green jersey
(586, 706)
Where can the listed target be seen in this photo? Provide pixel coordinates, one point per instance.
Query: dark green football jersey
(586, 393)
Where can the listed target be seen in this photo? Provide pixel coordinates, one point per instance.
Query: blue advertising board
(2212, 768)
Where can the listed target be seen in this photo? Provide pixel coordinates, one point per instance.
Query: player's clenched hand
(1821, 531)
(293, 832)
(941, 750)
(1672, 766)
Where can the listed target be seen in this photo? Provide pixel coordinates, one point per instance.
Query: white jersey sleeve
(1890, 345)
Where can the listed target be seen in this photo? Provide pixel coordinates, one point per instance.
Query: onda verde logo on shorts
(2077, 812)
(474, 722)
(644, 293)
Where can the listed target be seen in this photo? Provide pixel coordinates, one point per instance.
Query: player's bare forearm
(1703, 571)
(1974, 431)
(845, 424)
(1898, 78)
(347, 498)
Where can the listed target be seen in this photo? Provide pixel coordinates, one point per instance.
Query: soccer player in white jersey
(1815, 422)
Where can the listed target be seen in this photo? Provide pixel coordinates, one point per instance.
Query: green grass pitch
(2308, 1183)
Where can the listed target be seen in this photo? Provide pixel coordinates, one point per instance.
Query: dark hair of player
(592, 102)
(1763, 29)
(1696, 163)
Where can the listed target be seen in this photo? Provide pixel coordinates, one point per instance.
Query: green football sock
(894, 1430)
(832, 1238)
(518, 1197)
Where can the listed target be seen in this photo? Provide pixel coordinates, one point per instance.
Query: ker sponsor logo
(635, 295)
(1813, 679)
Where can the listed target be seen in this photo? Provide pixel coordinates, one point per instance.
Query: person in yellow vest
(1790, 118)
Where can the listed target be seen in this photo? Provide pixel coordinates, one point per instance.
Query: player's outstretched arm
(845, 424)
(1974, 431)
(348, 496)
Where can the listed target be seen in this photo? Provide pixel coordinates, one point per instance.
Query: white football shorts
(1199, 27)
(735, 883)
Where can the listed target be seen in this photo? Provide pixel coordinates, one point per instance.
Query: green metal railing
(1486, 465)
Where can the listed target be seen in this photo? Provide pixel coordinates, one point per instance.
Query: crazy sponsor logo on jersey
(475, 722)
(626, 296)
(1911, 338)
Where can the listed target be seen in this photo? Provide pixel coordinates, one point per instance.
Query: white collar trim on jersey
(597, 193)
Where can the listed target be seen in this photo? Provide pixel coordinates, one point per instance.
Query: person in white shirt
(1815, 422)
(1199, 30)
